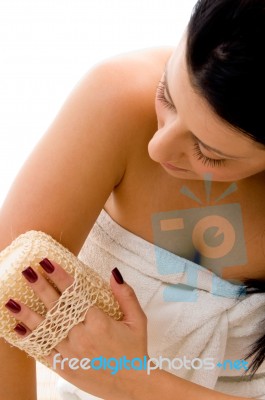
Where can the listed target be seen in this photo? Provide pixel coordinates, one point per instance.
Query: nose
(169, 143)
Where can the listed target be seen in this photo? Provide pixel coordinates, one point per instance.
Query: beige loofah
(88, 289)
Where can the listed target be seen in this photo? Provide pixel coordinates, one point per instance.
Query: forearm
(17, 374)
(163, 385)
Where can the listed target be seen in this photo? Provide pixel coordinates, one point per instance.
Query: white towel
(191, 313)
(67, 391)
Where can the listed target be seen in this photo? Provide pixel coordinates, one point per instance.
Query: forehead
(196, 114)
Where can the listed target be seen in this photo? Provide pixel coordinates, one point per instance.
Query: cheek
(221, 174)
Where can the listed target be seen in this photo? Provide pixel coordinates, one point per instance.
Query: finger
(21, 330)
(24, 314)
(126, 297)
(57, 274)
(28, 320)
(41, 287)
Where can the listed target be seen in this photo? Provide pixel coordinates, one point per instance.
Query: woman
(121, 153)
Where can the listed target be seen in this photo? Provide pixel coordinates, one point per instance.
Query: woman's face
(192, 137)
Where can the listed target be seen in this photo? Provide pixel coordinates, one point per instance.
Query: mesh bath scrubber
(88, 289)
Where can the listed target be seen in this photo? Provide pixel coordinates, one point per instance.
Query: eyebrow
(206, 146)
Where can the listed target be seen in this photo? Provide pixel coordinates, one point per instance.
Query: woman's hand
(101, 336)
(97, 336)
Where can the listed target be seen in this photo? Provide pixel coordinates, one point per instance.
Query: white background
(46, 46)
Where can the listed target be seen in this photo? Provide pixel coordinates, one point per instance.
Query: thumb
(126, 297)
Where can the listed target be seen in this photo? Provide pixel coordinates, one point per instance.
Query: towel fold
(192, 313)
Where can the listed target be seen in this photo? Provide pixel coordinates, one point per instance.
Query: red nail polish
(20, 329)
(13, 306)
(30, 274)
(117, 275)
(47, 265)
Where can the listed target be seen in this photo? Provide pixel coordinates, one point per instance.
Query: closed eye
(160, 95)
(212, 162)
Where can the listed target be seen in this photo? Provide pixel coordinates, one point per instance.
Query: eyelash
(212, 162)
(161, 96)
(196, 148)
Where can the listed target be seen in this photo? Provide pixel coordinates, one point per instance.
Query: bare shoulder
(91, 136)
(132, 70)
(127, 83)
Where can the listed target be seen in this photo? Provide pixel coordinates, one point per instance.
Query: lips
(172, 167)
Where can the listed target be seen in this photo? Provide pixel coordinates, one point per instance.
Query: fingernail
(13, 306)
(47, 265)
(117, 275)
(20, 329)
(30, 274)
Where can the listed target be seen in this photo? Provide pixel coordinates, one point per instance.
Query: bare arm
(61, 189)
(163, 385)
